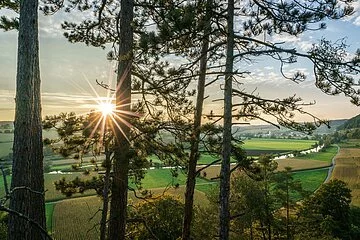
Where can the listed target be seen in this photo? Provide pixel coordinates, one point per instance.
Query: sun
(106, 108)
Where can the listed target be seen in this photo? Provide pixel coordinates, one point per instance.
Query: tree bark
(118, 207)
(226, 152)
(103, 223)
(27, 183)
(37, 200)
(194, 148)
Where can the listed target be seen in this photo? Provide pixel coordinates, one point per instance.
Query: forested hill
(351, 123)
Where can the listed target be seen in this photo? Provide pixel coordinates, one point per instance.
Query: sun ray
(122, 120)
(120, 129)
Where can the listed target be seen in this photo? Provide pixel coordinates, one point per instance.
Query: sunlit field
(80, 210)
(277, 144)
(347, 169)
(326, 155)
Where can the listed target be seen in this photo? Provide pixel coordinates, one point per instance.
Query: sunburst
(106, 108)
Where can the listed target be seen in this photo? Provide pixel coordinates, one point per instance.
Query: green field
(49, 209)
(277, 144)
(5, 148)
(157, 178)
(51, 194)
(6, 144)
(311, 179)
(325, 155)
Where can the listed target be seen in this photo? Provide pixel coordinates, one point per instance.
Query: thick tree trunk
(225, 164)
(194, 149)
(37, 200)
(118, 207)
(27, 171)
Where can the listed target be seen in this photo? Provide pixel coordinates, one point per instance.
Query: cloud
(294, 41)
(50, 26)
(357, 21)
(355, 17)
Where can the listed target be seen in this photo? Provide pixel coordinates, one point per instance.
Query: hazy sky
(68, 71)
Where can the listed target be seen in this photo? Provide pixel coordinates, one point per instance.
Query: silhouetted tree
(27, 185)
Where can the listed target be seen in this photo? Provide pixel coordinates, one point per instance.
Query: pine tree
(27, 186)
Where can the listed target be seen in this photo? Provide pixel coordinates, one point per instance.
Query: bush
(161, 216)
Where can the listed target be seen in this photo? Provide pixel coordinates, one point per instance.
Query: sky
(69, 71)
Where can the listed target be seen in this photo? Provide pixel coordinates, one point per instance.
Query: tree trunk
(37, 200)
(27, 171)
(103, 223)
(225, 164)
(118, 207)
(194, 149)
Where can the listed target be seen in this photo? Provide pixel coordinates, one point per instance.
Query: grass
(160, 178)
(277, 144)
(206, 159)
(51, 194)
(6, 144)
(311, 179)
(49, 210)
(326, 155)
(206, 188)
(5, 148)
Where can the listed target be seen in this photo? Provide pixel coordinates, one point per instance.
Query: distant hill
(351, 123)
(334, 125)
(269, 129)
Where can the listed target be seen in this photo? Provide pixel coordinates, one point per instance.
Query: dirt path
(333, 163)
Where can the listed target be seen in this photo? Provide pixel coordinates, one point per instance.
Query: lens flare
(106, 108)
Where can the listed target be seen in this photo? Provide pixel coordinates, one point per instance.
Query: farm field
(80, 210)
(277, 144)
(161, 178)
(311, 179)
(81, 207)
(69, 215)
(51, 194)
(347, 169)
(308, 161)
(300, 164)
(326, 155)
(157, 178)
